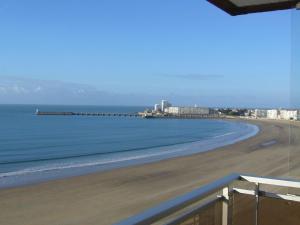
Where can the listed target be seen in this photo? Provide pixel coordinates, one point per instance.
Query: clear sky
(137, 52)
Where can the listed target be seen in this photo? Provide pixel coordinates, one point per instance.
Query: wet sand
(107, 197)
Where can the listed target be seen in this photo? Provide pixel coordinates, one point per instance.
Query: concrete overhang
(240, 7)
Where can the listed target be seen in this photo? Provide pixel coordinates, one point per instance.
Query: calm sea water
(36, 148)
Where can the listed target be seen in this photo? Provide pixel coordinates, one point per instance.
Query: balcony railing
(232, 200)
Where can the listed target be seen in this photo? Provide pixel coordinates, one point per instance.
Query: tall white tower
(164, 104)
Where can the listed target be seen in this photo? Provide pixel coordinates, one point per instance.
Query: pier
(87, 114)
(139, 114)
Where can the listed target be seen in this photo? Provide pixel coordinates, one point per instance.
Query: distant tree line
(233, 112)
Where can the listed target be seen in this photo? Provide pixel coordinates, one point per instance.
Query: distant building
(213, 111)
(188, 110)
(288, 114)
(260, 113)
(248, 113)
(172, 110)
(273, 114)
(165, 104)
(157, 107)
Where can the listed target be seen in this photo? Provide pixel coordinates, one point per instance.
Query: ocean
(39, 148)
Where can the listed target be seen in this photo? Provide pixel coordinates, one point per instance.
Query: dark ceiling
(240, 7)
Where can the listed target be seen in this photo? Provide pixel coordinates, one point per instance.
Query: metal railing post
(225, 194)
(257, 202)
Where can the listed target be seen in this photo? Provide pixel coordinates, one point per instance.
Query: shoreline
(33, 176)
(107, 197)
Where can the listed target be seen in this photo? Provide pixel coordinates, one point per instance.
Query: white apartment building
(288, 114)
(260, 113)
(273, 114)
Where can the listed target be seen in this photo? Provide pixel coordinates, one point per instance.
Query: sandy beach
(107, 197)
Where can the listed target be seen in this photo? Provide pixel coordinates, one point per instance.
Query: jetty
(39, 113)
(138, 114)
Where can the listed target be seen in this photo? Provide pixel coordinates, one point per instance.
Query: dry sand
(107, 197)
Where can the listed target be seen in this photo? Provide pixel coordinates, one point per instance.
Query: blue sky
(295, 59)
(136, 52)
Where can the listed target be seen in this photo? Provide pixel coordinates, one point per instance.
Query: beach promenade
(107, 197)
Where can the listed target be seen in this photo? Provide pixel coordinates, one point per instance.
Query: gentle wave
(54, 170)
(62, 166)
(223, 135)
(80, 165)
(94, 154)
